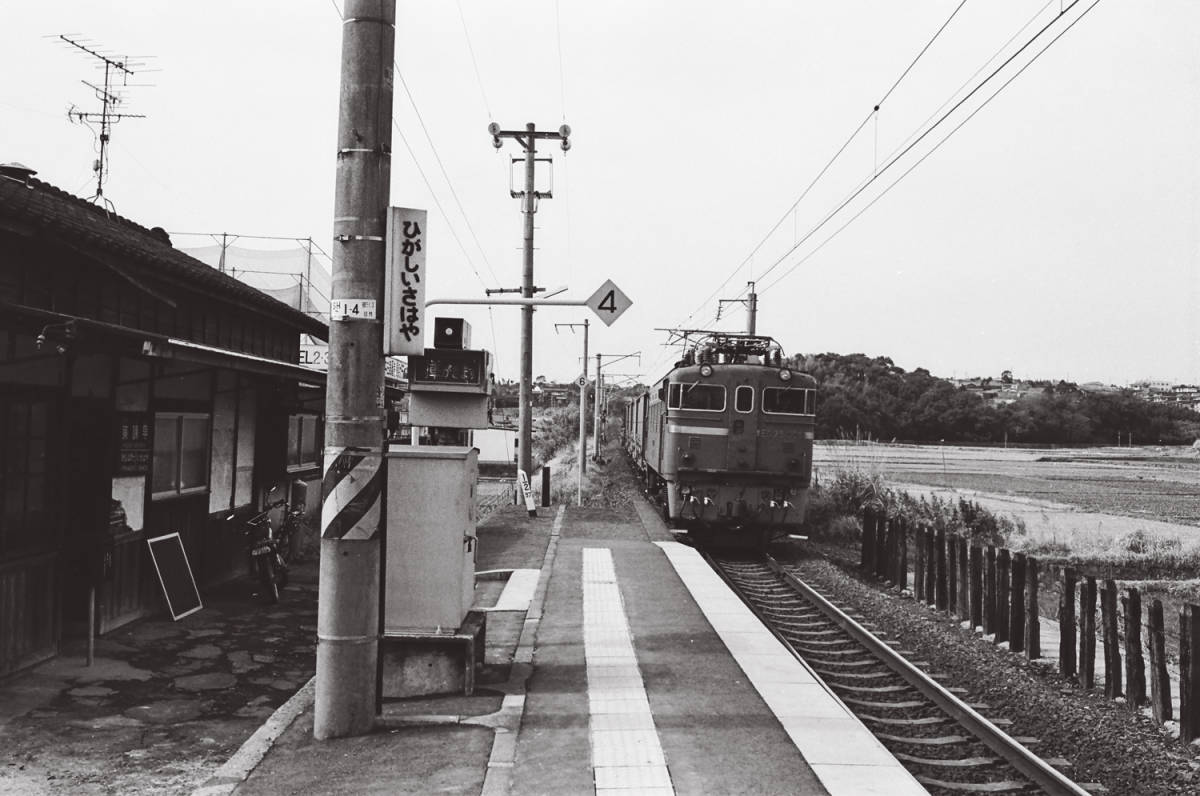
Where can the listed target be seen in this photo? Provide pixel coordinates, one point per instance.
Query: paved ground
(164, 702)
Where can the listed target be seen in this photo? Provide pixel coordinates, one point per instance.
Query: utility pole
(348, 600)
(527, 138)
(600, 393)
(751, 310)
(751, 302)
(582, 463)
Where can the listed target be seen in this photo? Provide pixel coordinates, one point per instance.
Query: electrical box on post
(429, 582)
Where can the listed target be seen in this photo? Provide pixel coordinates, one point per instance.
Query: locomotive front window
(743, 399)
(703, 397)
(789, 401)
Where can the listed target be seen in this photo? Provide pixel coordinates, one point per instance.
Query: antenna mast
(110, 99)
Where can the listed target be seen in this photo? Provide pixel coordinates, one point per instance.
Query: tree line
(862, 397)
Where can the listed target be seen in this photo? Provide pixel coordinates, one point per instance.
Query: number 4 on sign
(609, 302)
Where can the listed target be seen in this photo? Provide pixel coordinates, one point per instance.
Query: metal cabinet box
(429, 569)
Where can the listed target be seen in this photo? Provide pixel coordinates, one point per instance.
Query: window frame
(810, 402)
(318, 441)
(178, 490)
(675, 396)
(738, 391)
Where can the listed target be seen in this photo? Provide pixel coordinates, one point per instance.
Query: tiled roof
(53, 212)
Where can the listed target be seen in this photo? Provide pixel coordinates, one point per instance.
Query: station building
(142, 393)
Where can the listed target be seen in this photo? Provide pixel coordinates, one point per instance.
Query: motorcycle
(270, 549)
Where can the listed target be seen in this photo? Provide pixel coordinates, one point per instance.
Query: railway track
(946, 743)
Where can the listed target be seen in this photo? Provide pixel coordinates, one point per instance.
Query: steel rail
(1041, 773)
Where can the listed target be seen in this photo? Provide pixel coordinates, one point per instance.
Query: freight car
(724, 440)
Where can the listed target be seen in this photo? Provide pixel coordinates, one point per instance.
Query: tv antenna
(117, 72)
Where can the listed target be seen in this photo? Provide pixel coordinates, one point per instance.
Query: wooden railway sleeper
(1007, 786)
(941, 740)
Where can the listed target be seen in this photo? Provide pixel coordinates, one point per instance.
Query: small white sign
(583, 381)
(527, 492)
(404, 282)
(609, 302)
(352, 309)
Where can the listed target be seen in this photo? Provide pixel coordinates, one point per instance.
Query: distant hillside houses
(1006, 389)
(1161, 392)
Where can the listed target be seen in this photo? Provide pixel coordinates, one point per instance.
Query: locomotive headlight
(706, 370)
(785, 375)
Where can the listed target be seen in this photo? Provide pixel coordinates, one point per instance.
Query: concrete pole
(524, 419)
(348, 600)
(596, 424)
(752, 311)
(583, 392)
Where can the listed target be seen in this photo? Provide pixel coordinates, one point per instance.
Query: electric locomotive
(725, 440)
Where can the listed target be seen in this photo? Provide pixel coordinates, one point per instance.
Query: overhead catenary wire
(938, 145)
(850, 139)
(892, 161)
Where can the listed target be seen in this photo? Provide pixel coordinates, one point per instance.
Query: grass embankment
(1162, 566)
(607, 482)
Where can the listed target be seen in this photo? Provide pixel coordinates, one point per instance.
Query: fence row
(996, 592)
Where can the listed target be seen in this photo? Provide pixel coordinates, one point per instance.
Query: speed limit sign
(583, 381)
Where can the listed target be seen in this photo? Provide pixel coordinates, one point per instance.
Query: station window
(789, 401)
(701, 397)
(743, 399)
(181, 445)
(25, 497)
(304, 436)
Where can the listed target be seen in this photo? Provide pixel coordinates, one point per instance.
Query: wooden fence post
(882, 532)
(1189, 673)
(976, 586)
(989, 590)
(1066, 623)
(1135, 664)
(940, 595)
(1087, 632)
(952, 573)
(1033, 622)
(1112, 644)
(868, 540)
(919, 563)
(964, 579)
(1003, 567)
(1016, 609)
(931, 560)
(1160, 680)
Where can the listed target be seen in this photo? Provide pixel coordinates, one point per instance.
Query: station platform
(616, 662)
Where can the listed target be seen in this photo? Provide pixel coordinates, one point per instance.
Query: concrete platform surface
(602, 675)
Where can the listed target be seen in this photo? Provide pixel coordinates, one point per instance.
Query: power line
(433, 148)
(829, 164)
(938, 145)
(562, 77)
(438, 158)
(868, 182)
(474, 63)
(438, 202)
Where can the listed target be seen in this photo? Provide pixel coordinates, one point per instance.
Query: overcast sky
(1055, 234)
